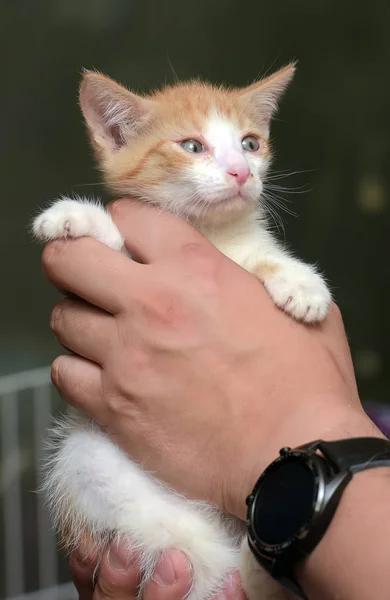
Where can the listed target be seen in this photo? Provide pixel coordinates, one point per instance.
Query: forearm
(352, 560)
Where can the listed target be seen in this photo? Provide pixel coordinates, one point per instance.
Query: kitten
(201, 152)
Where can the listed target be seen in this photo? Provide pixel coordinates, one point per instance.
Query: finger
(336, 339)
(232, 590)
(172, 578)
(78, 382)
(119, 575)
(83, 328)
(151, 233)
(92, 271)
(83, 563)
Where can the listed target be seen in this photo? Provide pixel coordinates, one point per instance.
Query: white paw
(301, 292)
(74, 218)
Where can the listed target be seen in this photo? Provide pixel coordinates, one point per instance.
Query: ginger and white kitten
(201, 152)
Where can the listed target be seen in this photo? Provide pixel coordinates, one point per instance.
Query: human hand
(118, 577)
(186, 362)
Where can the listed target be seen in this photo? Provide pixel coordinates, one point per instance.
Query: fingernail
(164, 574)
(118, 556)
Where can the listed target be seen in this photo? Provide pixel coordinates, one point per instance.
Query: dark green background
(334, 124)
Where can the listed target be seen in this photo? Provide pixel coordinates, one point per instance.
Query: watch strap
(354, 454)
(287, 579)
(344, 456)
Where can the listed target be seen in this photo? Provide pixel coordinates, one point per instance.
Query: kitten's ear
(112, 113)
(264, 95)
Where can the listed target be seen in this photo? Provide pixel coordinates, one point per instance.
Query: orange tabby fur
(179, 112)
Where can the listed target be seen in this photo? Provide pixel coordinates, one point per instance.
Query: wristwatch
(293, 502)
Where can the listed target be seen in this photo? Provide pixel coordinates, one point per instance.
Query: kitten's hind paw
(77, 218)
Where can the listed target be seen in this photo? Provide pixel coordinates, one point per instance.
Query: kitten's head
(197, 150)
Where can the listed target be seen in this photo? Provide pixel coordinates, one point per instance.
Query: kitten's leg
(295, 286)
(77, 218)
(92, 486)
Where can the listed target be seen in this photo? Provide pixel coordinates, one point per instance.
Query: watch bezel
(320, 472)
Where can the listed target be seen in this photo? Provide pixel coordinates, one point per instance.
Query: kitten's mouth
(232, 203)
(223, 205)
(240, 195)
(220, 209)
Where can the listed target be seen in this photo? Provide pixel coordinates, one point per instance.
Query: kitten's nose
(240, 172)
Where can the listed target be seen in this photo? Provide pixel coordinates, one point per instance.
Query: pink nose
(241, 173)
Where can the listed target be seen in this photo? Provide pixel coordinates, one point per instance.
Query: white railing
(23, 425)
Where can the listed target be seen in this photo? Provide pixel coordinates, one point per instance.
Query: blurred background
(331, 138)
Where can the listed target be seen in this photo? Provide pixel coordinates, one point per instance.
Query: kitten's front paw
(299, 291)
(73, 218)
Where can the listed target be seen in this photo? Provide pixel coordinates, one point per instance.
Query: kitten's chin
(220, 211)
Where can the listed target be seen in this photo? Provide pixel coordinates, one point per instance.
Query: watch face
(284, 501)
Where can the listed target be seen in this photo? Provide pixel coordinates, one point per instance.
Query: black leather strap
(357, 454)
(343, 456)
(287, 580)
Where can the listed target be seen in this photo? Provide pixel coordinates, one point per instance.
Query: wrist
(345, 534)
(351, 561)
(254, 457)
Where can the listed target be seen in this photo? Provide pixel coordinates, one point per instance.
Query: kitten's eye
(192, 146)
(250, 143)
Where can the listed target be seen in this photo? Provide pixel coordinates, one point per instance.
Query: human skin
(185, 361)
(119, 576)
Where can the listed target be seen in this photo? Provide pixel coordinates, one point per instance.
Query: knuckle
(335, 310)
(195, 249)
(204, 260)
(55, 372)
(169, 309)
(107, 589)
(166, 309)
(82, 562)
(195, 246)
(163, 304)
(119, 402)
(117, 207)
(50, 255)
(56, 317)
(118, 585)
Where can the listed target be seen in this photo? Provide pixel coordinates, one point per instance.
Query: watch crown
(249, 499)
(284, 451)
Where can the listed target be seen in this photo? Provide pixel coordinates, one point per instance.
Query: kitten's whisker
(272, 209)
(278, 203)
(199, 200)
(302, 189)
(100, 183)
(281, 174)
(175, 76)
(276, 218)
